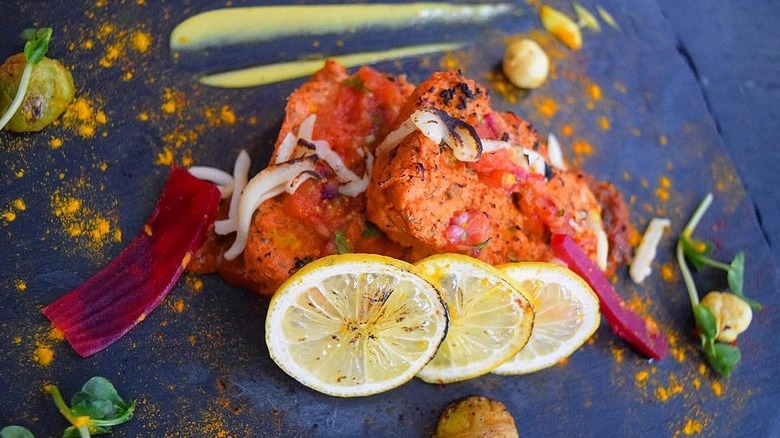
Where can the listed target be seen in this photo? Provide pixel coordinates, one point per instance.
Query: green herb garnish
(15, 432)
(370, 231)
(94, 409)
(342, 244)
(357, 84)
(721, 357)
(35, 48)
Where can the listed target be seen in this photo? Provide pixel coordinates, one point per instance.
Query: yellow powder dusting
(590, 106)
(113, 53)
(618, 354)
(594, 91)
(17, 340)
(717, 388)
(604, 123)
(669, 272)
(663, 394)
(546, 106)
(165, 158)
(173, 100)
(178, 306)
(663, 140)
(83, 117)
(640, 378)
(140, 41)
(21, 285)
(192, 339)
(225, 115)
(662, 191)
(55, 143)
(92, 228)
(195, 284)
(449, 62)
(692, 427)
(43, 355)
(582, 147)
(8, 216)
(567, 130)
(696, 383)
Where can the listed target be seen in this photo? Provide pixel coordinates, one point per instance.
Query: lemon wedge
(490, 319)
(567, 314)
(355, 324)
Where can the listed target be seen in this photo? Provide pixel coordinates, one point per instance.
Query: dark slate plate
(198, 364)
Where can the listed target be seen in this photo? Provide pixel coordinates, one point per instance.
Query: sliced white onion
(265, 185)
(602, 243)
(535, 161)
(359, 186)
(392, 139)
(300, 179)
(645, 254)
(222, 179)
(555, 152)
(306, 130)
(489, 146)
(240, 176)
(286, 148)
(439, 127)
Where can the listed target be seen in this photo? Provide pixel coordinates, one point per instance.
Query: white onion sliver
(298, 180)
(263, 186)
(306, 130)
(335, 162)
(222, 179)
(535, 161)
(394, 138)
(359, 186)
(645, 254)
(286, 148)
(555, 152)
(240, 176)
(489, 146)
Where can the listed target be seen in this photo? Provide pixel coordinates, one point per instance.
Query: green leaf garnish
(94, 409)
(37, 44)
(357, 84)
(721, 357)
(15, 432)
(705, 321)
(342, 244)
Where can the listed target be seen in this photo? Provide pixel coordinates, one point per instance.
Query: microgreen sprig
(94, 409)
(35, 48)
(722, 357)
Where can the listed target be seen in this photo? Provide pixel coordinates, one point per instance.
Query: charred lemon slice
(490, 319)
(567, 314)
(355, 324)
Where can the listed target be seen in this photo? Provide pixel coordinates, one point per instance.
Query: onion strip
(240, 176)
(265, 185)
(222, 179)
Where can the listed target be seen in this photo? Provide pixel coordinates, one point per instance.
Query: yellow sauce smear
(255, 24)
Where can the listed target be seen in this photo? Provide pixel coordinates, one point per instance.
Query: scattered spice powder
(92, 228)
(662, 191)
(55, 143)
(604, 123)
(178, 306)
(21, 285)
(582, 147)
(717, 388)
(640, 378)
(546, 106)
(669, 272)
(594, 91)
(567, 130)
(83, 116)
(663, 140)
(692, 427)
(43, 355)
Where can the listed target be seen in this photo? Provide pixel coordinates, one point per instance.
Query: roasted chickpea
(733, 314)
(476, 417)
(50, 91)
(526, 65)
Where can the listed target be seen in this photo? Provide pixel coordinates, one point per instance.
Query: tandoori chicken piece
(498, 208)
(290, 230)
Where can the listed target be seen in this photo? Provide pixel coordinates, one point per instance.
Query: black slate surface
(204, 371)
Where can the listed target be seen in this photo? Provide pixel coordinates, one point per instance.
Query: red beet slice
(99, 312)
(643, 336)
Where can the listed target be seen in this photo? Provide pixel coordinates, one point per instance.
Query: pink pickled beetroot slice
(99, 312)
(648, 339)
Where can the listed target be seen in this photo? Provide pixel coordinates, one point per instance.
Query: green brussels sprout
(50, 91)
